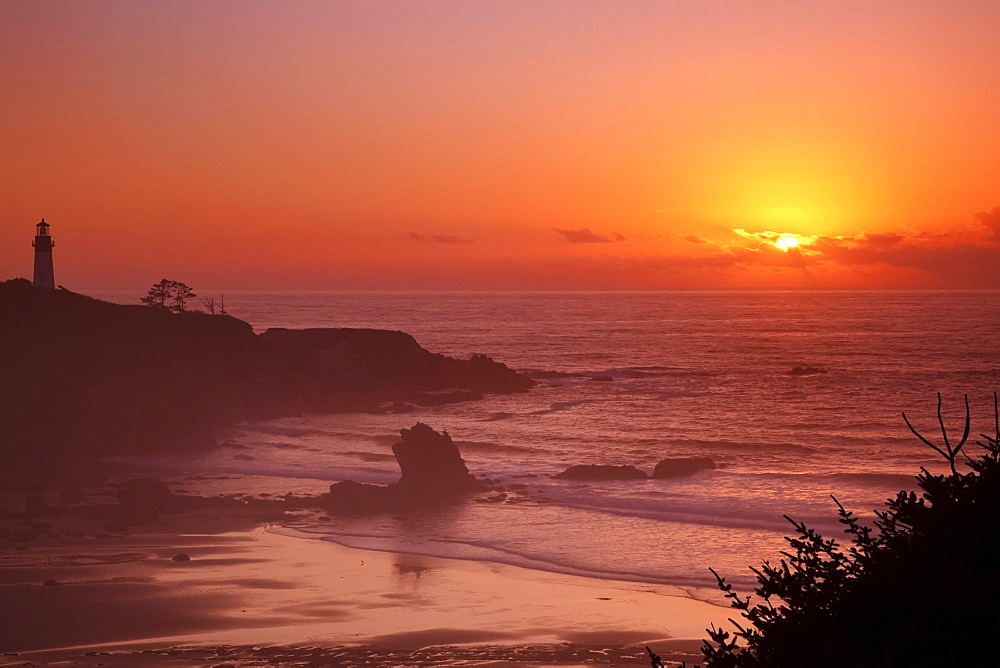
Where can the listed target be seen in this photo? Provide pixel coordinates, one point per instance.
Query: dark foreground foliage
(921, 588)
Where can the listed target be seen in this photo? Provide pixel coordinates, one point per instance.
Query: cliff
(81, 378)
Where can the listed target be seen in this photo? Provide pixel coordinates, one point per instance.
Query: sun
(786, 241)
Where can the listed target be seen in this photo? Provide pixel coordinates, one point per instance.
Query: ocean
(691, 374)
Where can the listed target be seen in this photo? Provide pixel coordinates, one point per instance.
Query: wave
(247, 465)
(708, 445)
(554, 407)
(655, 371)
(472, 550)
(557, 406)
(273, 428)
(486, 446)
(371, 456)
(682, 394)
(284, 445)
(900, 480)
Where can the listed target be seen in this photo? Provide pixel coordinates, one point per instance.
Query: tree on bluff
(171, 295)
(920, 588)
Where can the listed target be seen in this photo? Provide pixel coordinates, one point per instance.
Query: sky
(515, 145)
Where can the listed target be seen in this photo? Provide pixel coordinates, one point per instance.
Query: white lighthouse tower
(43, 256)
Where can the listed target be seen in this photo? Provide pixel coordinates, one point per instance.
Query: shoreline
(249, 584)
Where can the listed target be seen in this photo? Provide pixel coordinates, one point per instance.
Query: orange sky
(503, 145)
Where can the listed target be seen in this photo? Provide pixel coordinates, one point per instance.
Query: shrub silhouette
(170, 295)
(920, 588)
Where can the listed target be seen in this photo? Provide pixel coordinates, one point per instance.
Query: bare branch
(968, 427)
(944, 433)
(921, 437)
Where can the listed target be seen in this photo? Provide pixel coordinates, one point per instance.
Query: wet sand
(255, 594)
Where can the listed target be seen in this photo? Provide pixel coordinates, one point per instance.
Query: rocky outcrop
(601, 472)
(356, 498)
(312, 369)
(430, 464)
(146, 497)
(682, 466)
(432, 473)
(804, 371)
(667, 468)
(82, 378)
(35, 506)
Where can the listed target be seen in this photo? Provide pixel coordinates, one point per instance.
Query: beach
(254, 592)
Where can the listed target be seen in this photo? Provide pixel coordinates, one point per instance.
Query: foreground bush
(921, 588)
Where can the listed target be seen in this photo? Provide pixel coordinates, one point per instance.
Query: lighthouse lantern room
(43, 256)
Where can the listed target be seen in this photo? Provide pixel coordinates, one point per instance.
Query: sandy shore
(258, 594)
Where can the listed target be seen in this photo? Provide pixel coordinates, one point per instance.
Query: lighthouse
(43, 256)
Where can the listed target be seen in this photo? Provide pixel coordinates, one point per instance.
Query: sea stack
(43, 244)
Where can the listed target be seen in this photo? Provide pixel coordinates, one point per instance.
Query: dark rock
(430, 464)
(357, 498)
(682, 466)
(146, 497)
(427, 399)
(69, 497)
(433, 473)
(368, 364)
(116, 524)
(544, 374)
(180, 556)
(35, 505)
(488, 375)
(601, 472)
(804, 371)
(50, 583)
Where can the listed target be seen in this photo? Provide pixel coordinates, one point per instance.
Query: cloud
(585, 236)
(873, 249)
(695, 239)
(768, 255)
(766, 235)
(991, 221)
(879, 239)
(955, 265)
(868, 249)
(438, 238)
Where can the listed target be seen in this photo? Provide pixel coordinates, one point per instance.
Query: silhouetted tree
(167, 294)
(920, 588)
(214, 307)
